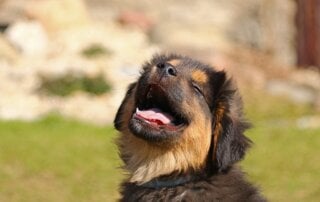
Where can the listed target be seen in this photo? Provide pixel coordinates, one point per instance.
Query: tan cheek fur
(146, 161)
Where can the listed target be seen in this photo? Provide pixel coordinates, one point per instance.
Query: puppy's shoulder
(232, 185)
(229, 186)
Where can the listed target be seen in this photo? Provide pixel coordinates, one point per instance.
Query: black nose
(167, 68)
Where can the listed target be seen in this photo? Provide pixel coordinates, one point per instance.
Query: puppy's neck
(169, 181)
(148, 168)
(145, 162)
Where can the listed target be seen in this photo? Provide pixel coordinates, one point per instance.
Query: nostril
(167, 68)
(171, 71)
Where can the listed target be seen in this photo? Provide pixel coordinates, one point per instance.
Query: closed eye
(197, 89)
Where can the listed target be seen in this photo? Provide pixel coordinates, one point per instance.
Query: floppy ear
(228, 141)
(118, 121)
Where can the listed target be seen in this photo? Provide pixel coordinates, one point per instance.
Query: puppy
(181, 132)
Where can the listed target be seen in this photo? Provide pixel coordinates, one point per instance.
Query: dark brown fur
(229, 186)
(195, 160)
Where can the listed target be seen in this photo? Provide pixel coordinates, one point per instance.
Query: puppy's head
(180, 116)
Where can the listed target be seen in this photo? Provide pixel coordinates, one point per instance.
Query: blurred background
(65, 65)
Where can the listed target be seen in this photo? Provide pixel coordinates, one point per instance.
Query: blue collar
(157, 183)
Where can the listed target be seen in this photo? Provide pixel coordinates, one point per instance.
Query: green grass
(284, 159)
(55, 159)
(285, 163)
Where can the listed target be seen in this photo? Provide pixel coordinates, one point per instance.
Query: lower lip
(154, 124)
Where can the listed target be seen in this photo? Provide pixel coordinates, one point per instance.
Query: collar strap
(157, 183)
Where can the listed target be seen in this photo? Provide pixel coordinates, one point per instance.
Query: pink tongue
(155, 115)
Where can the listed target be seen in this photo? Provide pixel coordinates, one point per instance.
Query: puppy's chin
(155, 132)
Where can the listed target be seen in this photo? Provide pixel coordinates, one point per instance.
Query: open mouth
(156, 111)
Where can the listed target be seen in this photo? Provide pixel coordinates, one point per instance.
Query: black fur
(219, 180)
(228, 186)
(117, 123)
(232, 144)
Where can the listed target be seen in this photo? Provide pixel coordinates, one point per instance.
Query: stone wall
(253, 39)
(265, 25)
(36, 44)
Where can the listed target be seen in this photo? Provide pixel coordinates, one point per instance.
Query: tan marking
(174, 62)
(199, 76)
(218, 127)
